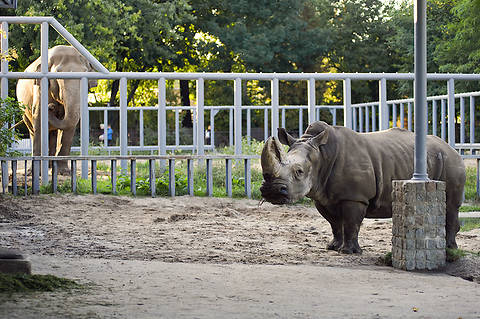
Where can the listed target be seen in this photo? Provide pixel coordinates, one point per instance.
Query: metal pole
(162, 121)
(84, 125)
(383, 107)
(44, 101)
(238, 115)
(347, 103)
(200, 117)
(420, 91)
(123, 123)
(311, 100)
(275, 107)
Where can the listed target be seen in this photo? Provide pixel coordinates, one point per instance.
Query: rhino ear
(284, 137)
(320, 139)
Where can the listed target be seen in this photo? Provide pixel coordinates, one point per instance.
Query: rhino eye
(267, 177)
(299, 172)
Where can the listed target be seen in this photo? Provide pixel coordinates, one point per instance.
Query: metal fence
(365, 117)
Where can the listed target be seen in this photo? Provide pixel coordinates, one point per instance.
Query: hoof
(350, 250)
(334, 245)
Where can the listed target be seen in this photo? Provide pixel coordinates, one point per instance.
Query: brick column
(418, 218)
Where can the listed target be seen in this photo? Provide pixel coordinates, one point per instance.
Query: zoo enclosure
(364, 117)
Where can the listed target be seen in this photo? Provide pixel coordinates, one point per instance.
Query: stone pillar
(418, 218)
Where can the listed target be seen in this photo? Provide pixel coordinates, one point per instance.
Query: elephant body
(63, 101)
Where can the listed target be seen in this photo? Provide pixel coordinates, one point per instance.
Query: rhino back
(367, 163)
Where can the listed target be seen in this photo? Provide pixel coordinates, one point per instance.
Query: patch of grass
(27, 283)
(456, 254)
(385, 260)
(469, 223)
(469, 208)
(471, 184)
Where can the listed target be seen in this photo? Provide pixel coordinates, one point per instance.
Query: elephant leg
(52, 142)
(352, 214)
(452, 225)
(335, 221)
(64, 142)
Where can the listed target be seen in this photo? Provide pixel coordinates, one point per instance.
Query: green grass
(467, 224)
(469, 208)
(25, 283)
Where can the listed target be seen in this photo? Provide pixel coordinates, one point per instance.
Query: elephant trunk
(69, 93)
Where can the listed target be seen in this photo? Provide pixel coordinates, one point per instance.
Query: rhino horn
(272, 155)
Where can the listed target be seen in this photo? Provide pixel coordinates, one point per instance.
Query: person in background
(109, 134)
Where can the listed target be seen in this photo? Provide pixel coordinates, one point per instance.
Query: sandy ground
(190, 257)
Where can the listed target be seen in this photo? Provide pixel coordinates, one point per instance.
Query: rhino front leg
(352, 217)
(335, 220)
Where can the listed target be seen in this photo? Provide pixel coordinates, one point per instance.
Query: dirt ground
(157, 257)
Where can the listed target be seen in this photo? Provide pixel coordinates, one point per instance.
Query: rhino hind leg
(352, 217)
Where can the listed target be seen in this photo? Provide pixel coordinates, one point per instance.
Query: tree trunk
(185, 95)
(134, 87)
(114, 91)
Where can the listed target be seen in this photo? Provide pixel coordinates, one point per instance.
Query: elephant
(63, 102)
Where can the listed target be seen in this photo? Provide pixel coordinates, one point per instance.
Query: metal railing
(152, 161)
(373, 116)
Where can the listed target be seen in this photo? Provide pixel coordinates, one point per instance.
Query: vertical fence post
(151, 176)
(462, 120)
(402, 115)
(472, 119)
(265, 124)
(113, 164)
(35, 177)
(44, 100)
(451, 112)
(14, 178)
(133, 176)
(209, 177)
(275, 107)
(230, 127)
(73, 176)
(162, 121)
(311, 100)
(383, 107)
(248, 179)
(409, 116)
(4, 63)
(123, 123)
(434, 117)
(54, 176)
(238, 115)
(171, 177)
(300, 121)
(228, 177)
(94, 176)
(200, 117)
(84, 125)
(249, 125)
(190, 177)
(347, 103)
(444, 117)
(141, 124)
(4, 169)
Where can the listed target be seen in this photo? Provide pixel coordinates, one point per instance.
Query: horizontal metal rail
(242, 76)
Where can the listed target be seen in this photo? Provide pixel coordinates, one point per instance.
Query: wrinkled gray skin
(63, 102)
(349, 175)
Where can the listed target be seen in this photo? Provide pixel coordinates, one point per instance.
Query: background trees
(258, 36)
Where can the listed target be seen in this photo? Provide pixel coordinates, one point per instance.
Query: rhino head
(289, 176)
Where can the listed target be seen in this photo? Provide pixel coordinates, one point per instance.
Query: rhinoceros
(349, 175)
